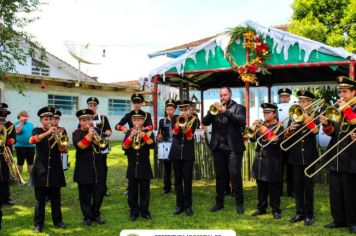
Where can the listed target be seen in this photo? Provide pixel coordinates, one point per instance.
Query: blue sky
(130, 29)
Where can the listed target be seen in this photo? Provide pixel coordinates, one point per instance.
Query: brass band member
(10, 132)
(182, 156)
(137, 100)
(227, 145)
(266, 168)
(47, 172)
(6, 140)
(89, 170)
(137, 145)
(342, 171)
(165, 134)
(284, 98)
(102, 122)
(300, 156)
(56, 118)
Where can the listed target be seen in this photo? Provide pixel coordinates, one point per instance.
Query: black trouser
(139, 187)
(228, 163)
(304, 191)
(342, 187)
(289, 174)
(2, 198)
(167, 174)
(55, 196)
(91, 198)
(268, 190)
(105, 161)
(7, 191)
(183, 173)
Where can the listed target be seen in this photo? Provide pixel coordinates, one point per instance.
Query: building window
(68, 105)
(119, 107)
(39, 68)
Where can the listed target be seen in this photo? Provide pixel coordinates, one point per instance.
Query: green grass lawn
(18, 220)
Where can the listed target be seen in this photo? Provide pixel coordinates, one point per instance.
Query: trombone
(298, 114)
(332, 158)
(214, 109)
(273, 129)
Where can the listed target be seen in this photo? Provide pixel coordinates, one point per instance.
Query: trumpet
(15, 176)
(98, 140)
(251, 132)
(214, 108)
(299, 114)
(182, 121)
(59, 138)
(136, 142)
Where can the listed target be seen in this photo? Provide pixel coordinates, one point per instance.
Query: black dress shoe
(107, 194)
(99, 220)
(60, 225)
(146, 216)
(240, 209)
(308, 221)
(87, 222)
(277, 215)
(297, 218)
(216, 207)
(10, 202)
(178, 211)
(352, 229)
(166, 191)
(133, 217)
(189, 211)
(38, 229)
(333, 225)
(257, 213)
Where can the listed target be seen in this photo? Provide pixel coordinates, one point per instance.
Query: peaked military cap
(4, 105)
(171, 102)
(138, 114)
(137, 98)
(345, 83)
(183, 104)
(268, 107)
(46, 111)
(3, 113)
(93, 100)
(284, 91)
(57, 113)
(305, 94)
(84, 113)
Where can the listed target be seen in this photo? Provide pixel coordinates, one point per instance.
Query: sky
(130, 29)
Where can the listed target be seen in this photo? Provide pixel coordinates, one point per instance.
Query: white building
(57, 84)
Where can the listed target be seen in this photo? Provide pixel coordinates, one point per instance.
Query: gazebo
(239, 58)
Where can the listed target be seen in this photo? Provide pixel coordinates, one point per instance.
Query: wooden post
(247, 92)
(201, 104)
(155, 101)
(269, 93)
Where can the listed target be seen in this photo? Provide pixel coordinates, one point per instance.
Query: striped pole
(247, 92)
(352, 70)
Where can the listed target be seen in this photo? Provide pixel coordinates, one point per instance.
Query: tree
(328, 21)
(16, 45)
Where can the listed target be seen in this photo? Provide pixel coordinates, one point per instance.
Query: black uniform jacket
(306, 150)
(47, 169)
(346, 161)
(89, 168)
(127, 119)
(139, 166)
(9, 136)
(267, 165)
(104, 124)
(236, 121)
(183, 140)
